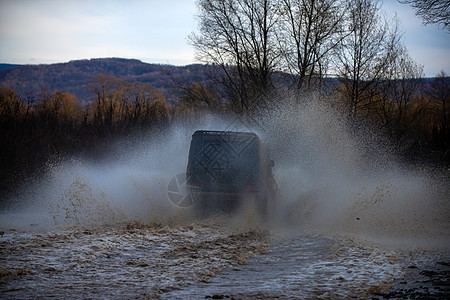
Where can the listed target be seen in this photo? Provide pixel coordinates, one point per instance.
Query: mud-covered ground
(133, 260)
(210, 259)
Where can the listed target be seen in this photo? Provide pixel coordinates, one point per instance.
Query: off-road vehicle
(227, 169)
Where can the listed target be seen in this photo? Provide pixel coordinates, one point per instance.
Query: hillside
(73, 76)
(8, 66)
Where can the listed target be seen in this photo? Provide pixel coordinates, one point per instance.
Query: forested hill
(8, 66)
(72, 77)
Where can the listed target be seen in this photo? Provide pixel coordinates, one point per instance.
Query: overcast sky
(155, 31)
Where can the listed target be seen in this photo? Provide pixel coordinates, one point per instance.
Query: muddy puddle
(209, 259)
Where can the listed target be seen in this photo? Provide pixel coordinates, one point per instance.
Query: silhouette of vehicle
(227, 169)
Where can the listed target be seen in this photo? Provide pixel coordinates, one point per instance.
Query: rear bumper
(200, 195)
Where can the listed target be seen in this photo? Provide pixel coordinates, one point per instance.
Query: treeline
(414, 115)
(35, 128)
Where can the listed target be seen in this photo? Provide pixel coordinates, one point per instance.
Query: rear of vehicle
(226, 168)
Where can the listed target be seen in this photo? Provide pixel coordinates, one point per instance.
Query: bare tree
(310, 29)
(441, 95)
(136, 100)
(239, 36)
(399, 100)
(108, 91)
(432, 11)
(197, 97)
(11, 106)
(251, 39)
(362, 56)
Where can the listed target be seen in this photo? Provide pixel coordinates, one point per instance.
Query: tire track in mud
(307, 267)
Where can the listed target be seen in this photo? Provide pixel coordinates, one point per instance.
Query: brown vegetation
(56, 124)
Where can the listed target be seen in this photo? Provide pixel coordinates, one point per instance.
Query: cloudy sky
(49, 31)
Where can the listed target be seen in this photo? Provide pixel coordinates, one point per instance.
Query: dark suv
(226, 168)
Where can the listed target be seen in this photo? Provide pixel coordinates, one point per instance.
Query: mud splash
(338, 180)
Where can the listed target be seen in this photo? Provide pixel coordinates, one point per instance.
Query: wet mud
(210, 259)
(130, 261)
(427, 280)
(316, 267)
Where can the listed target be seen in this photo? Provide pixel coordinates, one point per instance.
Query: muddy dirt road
(209, 259)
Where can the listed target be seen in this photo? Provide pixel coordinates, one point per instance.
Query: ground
(211, 259)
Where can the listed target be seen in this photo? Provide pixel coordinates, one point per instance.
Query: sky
(154, 31)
